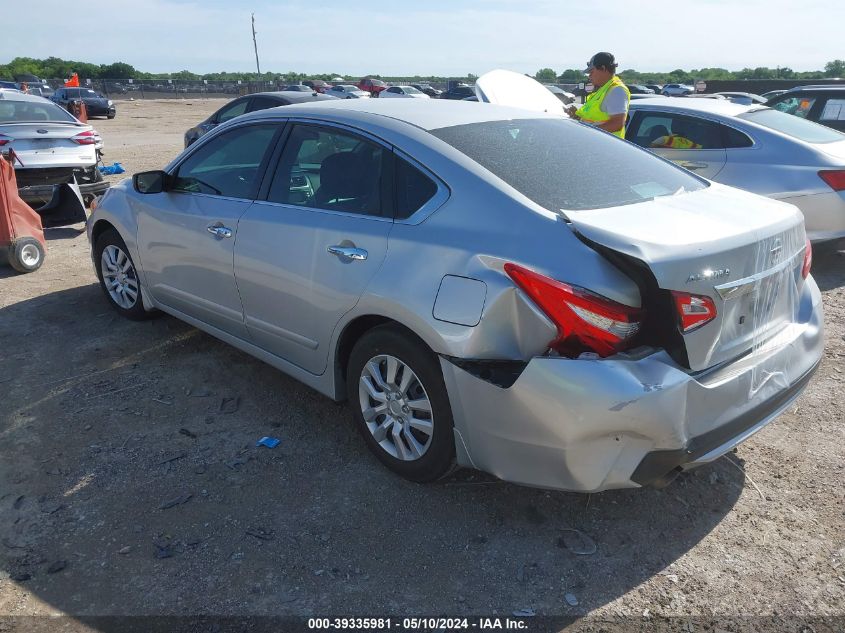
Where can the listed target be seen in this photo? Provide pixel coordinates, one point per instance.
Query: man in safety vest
(607, 106)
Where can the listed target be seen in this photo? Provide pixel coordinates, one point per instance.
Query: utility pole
(255, 44)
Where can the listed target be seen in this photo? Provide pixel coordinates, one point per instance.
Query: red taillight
(85, 138)
(693, 310)
(835, 178)
(808, 259)
(585, 321)
(4, 140)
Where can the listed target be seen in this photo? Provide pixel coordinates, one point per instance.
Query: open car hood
(505, 87)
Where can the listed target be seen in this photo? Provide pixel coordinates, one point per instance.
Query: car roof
(712, 106)
(426, 114)
(292, 95)
(834, 87)
(10, 95)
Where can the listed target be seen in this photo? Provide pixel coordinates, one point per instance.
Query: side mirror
(150, 181)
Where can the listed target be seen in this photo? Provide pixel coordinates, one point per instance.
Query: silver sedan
(754, 148)
(481, 298)
(346, 91)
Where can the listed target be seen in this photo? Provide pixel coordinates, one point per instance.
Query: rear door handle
(690, 164)
(218, 230)
(349, 252)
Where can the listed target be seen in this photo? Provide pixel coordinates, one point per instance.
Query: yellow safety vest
(591, 111)
(674, 141)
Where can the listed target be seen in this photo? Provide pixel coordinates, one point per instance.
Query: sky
(435, 37)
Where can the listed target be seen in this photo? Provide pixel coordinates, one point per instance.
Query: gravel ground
(130, 483)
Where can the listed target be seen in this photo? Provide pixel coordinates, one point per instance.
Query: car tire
(110, 116)
(26, 255)
(118, 276)
(418, 443)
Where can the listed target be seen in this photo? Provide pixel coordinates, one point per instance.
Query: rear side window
(413, 189)
(560, 164)
(262, 103)
(834, 110)
(663, 130)
(802, 129)
(228, 165)
(735, 139)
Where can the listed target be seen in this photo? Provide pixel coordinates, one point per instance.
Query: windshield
(792, 125)
(349, 88)
(560, 164)
(30, 111)
(410, 90)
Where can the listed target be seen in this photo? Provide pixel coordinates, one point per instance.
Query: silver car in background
(347, 91)
(753, 148)
(477, 292)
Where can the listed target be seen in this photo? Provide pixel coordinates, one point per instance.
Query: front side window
(799, 106)
(232, 110)
(330, 169)
(228, 165)
(560, 164)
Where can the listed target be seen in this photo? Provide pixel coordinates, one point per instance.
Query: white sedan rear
(53, 147)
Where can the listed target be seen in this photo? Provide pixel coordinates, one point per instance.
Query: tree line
(835, 68)
(56, 68)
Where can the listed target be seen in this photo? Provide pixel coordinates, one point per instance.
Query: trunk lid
(48, 144)
(743, 251)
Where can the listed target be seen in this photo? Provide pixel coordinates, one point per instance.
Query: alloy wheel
(119, 276)
(396, 407)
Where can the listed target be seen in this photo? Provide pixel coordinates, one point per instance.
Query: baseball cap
(601, 59)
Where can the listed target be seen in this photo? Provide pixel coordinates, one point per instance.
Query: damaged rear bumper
(37, 195)
(591, 425)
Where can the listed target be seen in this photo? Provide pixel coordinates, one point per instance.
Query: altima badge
(709, 274)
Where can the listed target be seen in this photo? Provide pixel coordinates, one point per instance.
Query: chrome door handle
(689, 164)
(218, 230)
(349, 252)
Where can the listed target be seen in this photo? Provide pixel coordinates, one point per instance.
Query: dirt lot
(130, 483)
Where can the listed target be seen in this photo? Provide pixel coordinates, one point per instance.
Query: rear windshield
(29, 111)
(560, 164)
(792, 125)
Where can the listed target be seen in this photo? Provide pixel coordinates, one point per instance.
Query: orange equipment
(21, 234)
(73, 82)
(77, 108)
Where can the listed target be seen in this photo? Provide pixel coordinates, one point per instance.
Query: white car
(347, 91)
(677, 90)
(53, 148)
(402, 92)
(743, 98)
